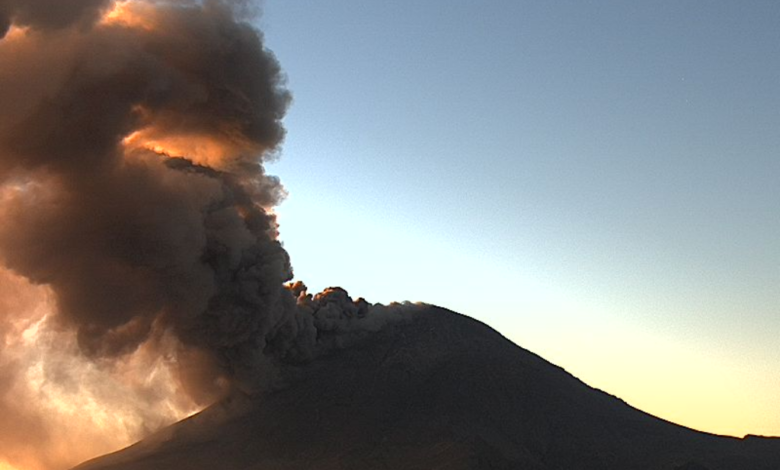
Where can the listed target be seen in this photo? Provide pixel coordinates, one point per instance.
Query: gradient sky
(596, 180)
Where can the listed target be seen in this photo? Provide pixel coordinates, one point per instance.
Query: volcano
(439, 391)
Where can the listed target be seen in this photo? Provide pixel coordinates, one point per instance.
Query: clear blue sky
(599, 181)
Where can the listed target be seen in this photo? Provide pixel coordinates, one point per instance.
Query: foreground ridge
(442, 391)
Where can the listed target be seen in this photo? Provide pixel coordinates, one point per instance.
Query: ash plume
(134, 200)
(48, 14)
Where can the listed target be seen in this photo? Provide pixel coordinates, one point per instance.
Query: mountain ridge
(440, 391)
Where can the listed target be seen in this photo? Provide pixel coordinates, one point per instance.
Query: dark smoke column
(132, 138)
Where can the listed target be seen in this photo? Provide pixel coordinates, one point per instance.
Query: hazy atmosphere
(251, 213)
(597, 180)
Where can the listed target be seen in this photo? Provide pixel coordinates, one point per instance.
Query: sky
(596, 180)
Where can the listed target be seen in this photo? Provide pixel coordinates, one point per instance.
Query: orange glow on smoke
(7, 466)
(218, 151)
(201, 149)
(15, 32)
(78, 408)
(58, 407)
(129, 14)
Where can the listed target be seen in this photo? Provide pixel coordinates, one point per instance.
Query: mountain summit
(441, 391)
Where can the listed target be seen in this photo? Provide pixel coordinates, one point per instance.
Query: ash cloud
(49, 14)
(132, 138)
(59, 409)
(125, 237)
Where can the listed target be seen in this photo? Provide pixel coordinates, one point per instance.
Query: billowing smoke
(48, 14)
(137, 228)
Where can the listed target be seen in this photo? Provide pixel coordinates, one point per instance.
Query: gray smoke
(49, 14)
(132, 139)
(128, 239)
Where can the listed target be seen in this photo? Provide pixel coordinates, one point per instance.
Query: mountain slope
(440, 392)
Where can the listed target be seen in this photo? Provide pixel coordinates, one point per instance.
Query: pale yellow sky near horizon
(596, 180)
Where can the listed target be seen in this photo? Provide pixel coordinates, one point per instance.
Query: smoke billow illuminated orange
(131, 15)
(141, 277)
(202, 150)
(73, 408)
(103, 242)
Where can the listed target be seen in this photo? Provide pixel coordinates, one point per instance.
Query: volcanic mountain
(440, 391)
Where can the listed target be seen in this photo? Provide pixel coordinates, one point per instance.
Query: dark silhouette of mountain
(442, 391)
